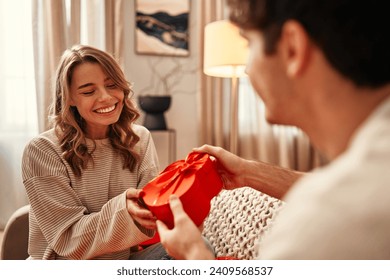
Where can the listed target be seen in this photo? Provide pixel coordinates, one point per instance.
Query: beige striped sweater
(84, 217)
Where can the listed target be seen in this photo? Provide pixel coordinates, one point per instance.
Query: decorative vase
(154, 108)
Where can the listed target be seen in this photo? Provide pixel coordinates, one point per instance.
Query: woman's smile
(105, 110)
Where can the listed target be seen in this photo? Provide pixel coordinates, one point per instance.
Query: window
(17, 85)
(18, 115)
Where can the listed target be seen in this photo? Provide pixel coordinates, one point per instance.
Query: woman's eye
(88, 92)
(111, 86)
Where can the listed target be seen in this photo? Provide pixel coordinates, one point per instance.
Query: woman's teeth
(105, 110)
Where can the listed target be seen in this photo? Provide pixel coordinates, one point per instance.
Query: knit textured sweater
(84, 217)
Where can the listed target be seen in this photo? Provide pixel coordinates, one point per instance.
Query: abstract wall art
(162, 27)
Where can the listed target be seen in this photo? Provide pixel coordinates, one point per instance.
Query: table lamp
(225, 55)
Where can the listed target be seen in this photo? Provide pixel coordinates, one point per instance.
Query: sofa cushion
(237, 220)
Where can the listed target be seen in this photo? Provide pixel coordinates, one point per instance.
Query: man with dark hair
(323, 66)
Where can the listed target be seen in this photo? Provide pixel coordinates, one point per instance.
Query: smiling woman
(83, 176)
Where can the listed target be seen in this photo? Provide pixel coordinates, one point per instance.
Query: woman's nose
(104, 94)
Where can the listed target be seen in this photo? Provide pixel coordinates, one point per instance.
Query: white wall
(182, 115)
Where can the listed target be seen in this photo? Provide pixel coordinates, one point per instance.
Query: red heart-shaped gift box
(194, 180)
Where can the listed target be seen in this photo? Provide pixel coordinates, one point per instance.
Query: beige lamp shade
(225, 50)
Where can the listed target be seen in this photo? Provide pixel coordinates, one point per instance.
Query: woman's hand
(230, 167)
(141, 215)
(184, 241)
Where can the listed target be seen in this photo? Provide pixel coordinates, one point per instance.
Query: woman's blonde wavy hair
(70, 126)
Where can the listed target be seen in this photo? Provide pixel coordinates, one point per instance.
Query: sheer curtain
(18, 120)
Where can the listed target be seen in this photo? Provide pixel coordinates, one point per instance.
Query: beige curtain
(114, 26)
(57, 25)
(282, 145)
(49, 37)
(211, 99)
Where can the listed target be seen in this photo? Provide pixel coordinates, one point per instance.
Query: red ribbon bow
(172, 176)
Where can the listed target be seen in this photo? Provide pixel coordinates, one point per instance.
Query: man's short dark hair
(353, 34)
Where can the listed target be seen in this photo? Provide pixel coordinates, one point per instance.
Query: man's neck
(338, 117)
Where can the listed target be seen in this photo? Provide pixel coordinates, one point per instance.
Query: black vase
(154, 108)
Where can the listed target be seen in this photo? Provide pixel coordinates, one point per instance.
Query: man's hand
(184, 241)
(230, 167)
(141, 215)
(237, 172)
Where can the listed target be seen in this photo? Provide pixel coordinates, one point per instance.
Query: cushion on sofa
(237, 220)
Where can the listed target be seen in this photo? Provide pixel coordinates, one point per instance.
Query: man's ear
(295, 47)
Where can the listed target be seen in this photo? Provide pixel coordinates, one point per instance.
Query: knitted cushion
(237, 220)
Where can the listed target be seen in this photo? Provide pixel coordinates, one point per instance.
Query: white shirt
(341, 211)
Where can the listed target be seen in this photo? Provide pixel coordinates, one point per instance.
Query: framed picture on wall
(162, 27)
